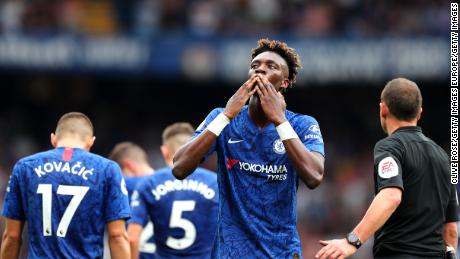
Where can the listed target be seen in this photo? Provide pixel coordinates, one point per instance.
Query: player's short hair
(177, 134)
(287, 53)
(128, 150)
(74, 124)
(403, 98)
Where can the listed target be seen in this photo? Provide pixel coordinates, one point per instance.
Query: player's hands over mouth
(272, 101)
(335, 249)
(239, 99)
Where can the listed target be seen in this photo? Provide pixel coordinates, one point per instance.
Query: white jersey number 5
(177, 221)
(45, 190)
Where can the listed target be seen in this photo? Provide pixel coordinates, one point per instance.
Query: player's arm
(189, 156)
(12, 238)
(134, 234)
(13, 212)
(118, 239)
(380, 210)
(450, 231)
(450, 234)
(308, 165)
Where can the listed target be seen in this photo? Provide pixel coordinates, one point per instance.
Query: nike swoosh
(230, 141)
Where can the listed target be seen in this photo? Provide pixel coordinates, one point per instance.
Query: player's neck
(72, 143)
(257, 113)
(146, 170)
(394, 124)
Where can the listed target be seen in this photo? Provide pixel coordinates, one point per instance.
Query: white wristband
(286, 131)
(218, 124)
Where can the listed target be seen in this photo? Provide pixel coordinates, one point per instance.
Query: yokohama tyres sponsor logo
(256, 168)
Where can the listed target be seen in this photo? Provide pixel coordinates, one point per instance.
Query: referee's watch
(353, 239)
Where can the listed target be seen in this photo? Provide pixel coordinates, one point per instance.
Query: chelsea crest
(278, 147)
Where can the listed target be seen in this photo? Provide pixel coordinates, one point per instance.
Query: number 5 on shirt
(177, 221)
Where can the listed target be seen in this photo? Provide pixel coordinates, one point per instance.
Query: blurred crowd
(208, 18)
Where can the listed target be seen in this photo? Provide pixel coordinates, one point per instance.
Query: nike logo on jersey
(232, 141)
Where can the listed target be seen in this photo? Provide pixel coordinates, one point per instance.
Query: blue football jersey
(257, 186)
(183, 212)
(147, 246)
(67, 196)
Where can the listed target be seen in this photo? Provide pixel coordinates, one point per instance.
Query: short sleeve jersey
(257, 186)
(420, 168)
(66, 196)
(183, 212)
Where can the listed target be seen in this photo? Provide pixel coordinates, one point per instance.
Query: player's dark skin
(268, 76)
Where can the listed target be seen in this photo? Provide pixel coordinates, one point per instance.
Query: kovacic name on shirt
(64, 167)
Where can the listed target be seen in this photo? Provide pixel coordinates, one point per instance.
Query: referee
(414, 212)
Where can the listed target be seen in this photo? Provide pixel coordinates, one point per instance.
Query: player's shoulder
(392, 142)
(164, 173)
(99, 163)
(103, 161)
(216, 111)
(301, 119)
(211, 115)
(132, 181)
(35, 157)
(96, 157)
(159, 176)
(205, 173)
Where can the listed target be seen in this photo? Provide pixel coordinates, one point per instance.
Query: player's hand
(239, 99)
(272, 101)
(335, 249)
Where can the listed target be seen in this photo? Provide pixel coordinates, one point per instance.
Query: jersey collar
(408, 128)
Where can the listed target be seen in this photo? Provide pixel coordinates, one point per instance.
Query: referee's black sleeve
(388, 155)
(452, 207)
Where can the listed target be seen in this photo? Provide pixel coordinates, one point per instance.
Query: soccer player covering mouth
(67, 195)
(184, 213)
(263, 152)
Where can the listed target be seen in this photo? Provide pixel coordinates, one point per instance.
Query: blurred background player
(66, 195)
(415, 210)
(133, 162)
(135, 166)
(184, 212)
(263, 151)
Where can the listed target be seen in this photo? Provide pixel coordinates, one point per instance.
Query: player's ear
(90, 142)
(53, 140)
(129, 166)
(383, 110)
(419, 114)
(285, 85)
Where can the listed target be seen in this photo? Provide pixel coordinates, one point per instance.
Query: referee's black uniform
(420, 168)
